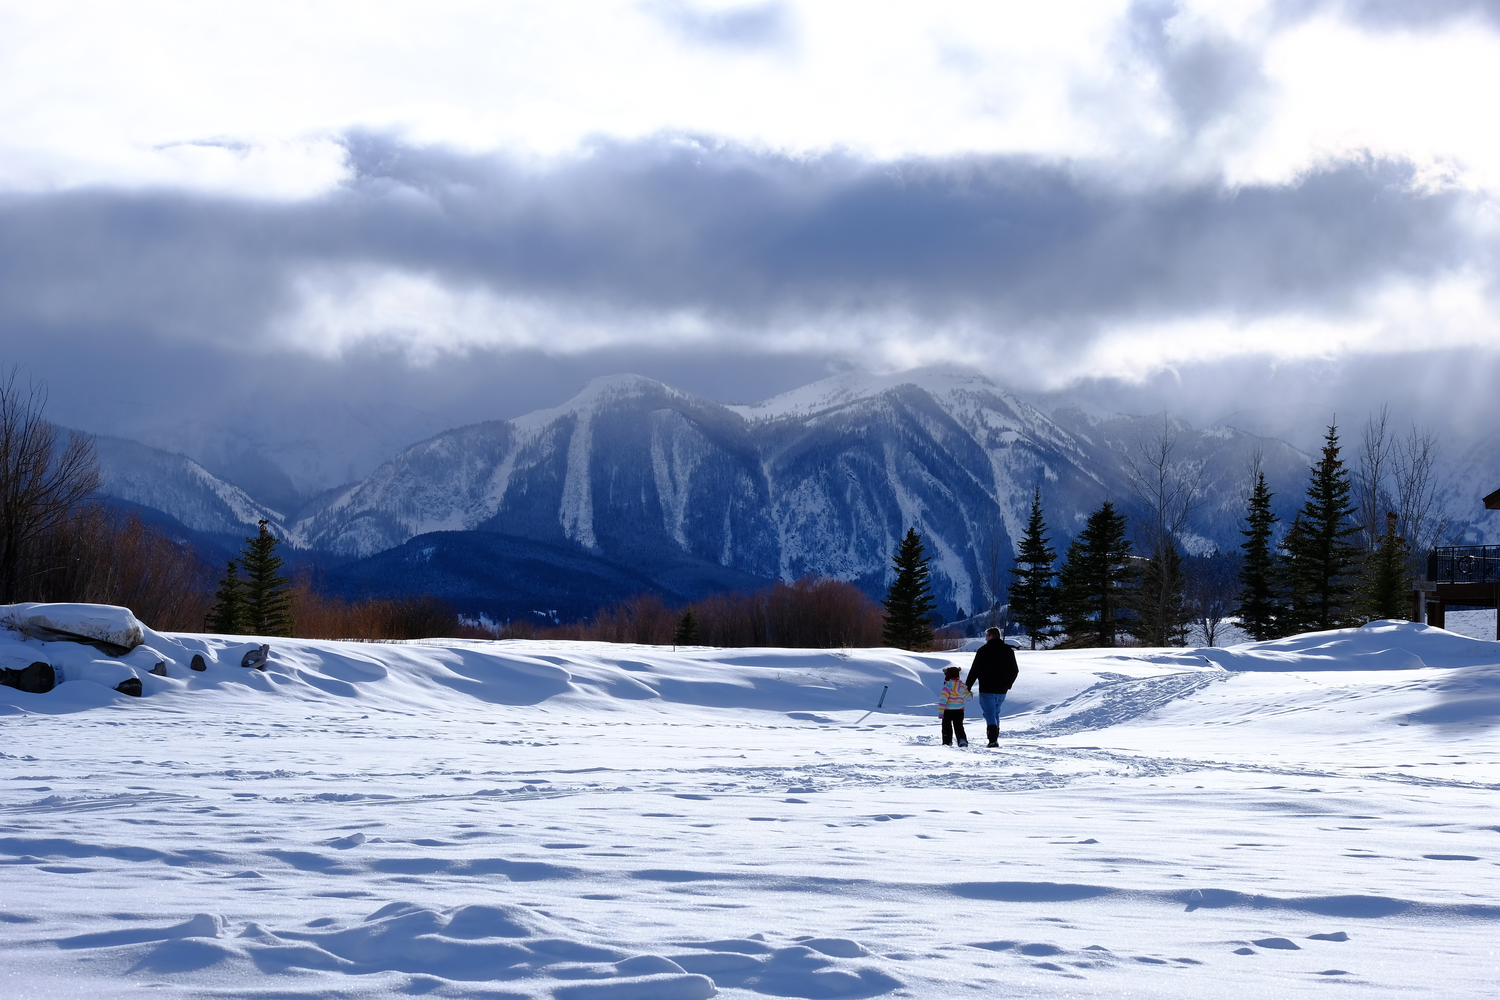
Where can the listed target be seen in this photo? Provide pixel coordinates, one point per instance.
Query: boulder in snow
(114, 629)
(36, 678)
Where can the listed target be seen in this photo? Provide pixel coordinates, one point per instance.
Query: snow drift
(585, 821)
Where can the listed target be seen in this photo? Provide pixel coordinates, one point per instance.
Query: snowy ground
(584, 821)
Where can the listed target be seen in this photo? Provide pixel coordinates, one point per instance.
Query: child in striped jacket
(951, 707)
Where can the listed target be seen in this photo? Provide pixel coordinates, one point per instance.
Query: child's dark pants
(953, 722)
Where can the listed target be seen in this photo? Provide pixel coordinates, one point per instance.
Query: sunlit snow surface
(598, 822)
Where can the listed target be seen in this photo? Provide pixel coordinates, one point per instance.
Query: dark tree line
(1315, 577)
(1320, 577)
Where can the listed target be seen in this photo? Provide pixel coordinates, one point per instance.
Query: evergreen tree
(1161, 609)
(1322, 564)
(908, 602)
(1032, 596)
(1097, 580)
(1258, 605)
(228, 614)
(687, 630)
(1292, 600)
(268, 597)
(1388, 594)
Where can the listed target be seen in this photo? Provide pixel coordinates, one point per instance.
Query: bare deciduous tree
(1399, 474)
(1371, 497)
(1212, 592)
(1420, 516)
(1168, 488)
(99, 556)
(40, 483)
(1255, 464)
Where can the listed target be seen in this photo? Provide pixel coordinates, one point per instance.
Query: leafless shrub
(418, 616)
(100, 556)
(40, 482)
(813, 613)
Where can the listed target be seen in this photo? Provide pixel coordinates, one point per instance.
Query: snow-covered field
(584, 821)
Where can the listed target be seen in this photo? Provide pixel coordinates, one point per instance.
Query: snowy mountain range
(179, 488)
(642, 481)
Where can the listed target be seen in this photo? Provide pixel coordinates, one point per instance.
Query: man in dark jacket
(995, 669)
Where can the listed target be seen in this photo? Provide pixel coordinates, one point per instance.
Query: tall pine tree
(1322, 563)
(1032, 596)
(268, 596)
(1258, 583)
(908, 601)
(227, 616)
(1097, 580)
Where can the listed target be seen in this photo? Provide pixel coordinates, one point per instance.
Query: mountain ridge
(820, 480)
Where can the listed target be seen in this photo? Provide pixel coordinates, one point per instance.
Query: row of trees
(1320, 576)
(1097, 596)
(1331, 568)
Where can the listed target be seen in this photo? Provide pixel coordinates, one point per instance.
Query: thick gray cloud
(746, 239)
(668, 225)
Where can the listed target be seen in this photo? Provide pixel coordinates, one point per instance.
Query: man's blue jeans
(990, 704)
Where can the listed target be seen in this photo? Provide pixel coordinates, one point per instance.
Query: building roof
(1493, 500)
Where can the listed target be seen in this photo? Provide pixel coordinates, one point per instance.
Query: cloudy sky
(324, 230)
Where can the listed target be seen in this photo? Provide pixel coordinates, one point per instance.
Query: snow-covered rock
(105, 623)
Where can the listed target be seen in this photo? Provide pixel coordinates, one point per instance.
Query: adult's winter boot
(993, 733)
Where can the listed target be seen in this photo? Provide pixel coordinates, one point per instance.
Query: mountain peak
(595, 393)
(849, 387)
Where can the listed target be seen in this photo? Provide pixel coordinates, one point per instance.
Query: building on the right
(1461, 574)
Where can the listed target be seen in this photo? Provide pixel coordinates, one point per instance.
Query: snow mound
(475, 943)
(90, 622)
(1379, 645)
